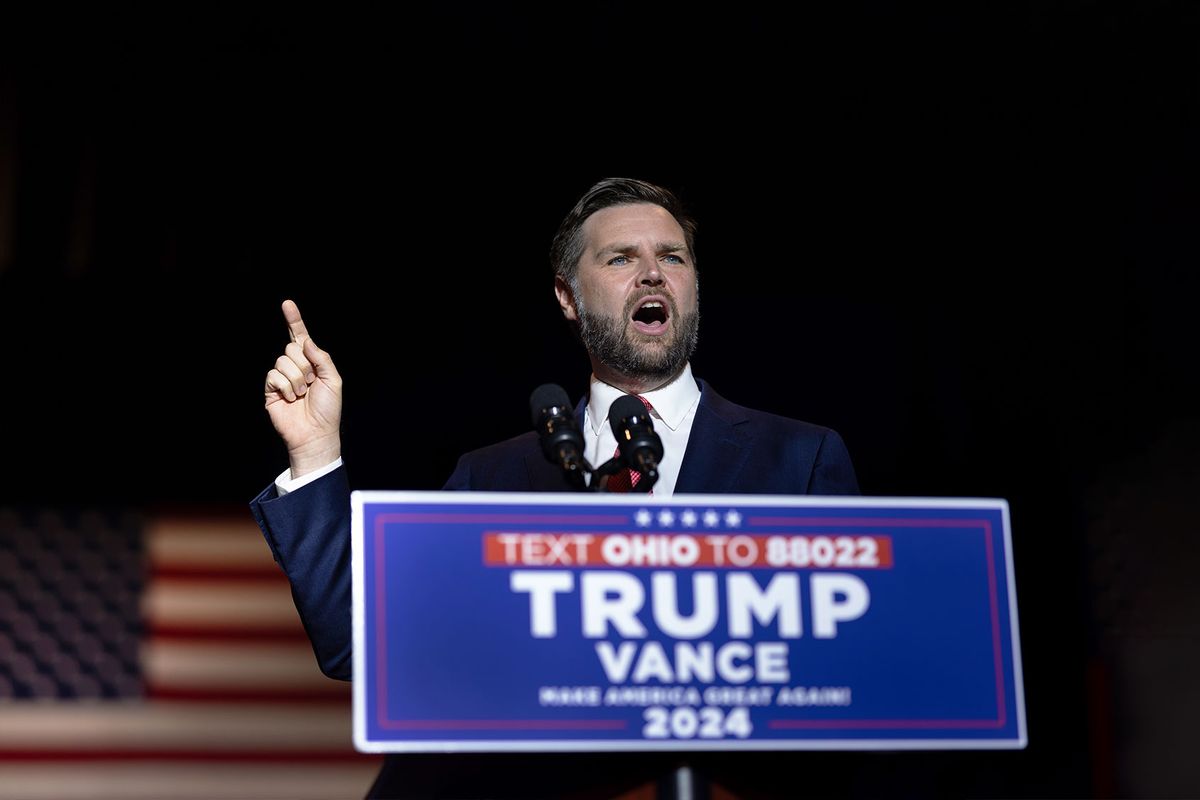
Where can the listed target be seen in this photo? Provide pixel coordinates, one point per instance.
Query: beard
(644, 358)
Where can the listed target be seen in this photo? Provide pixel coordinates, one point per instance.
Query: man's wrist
(314, 456)
(286, 484)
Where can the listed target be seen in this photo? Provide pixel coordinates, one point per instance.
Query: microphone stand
(577, 470)
(682, 782)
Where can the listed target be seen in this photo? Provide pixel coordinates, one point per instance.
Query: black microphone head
(624, 407)
(548, 395)
(639, 445)
(559, 434)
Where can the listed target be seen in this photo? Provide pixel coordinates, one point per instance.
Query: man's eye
(619, 261)
(673, 259)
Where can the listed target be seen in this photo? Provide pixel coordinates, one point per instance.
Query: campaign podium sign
(491, 622)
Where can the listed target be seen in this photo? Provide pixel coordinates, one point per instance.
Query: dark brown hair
(567, 247)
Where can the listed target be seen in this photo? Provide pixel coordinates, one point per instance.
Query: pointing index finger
(296, 329)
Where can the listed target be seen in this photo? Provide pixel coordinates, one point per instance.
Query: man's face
(635, 295)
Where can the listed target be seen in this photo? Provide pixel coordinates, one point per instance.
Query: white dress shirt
(673, 409)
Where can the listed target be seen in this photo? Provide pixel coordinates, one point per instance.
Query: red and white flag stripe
(231, 687)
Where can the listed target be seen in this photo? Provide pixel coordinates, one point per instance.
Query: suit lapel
(717, 449)
(713, 463)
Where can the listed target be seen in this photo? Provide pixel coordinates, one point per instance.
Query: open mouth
(651, 316)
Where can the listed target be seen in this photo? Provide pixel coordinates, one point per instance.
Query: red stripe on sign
(883, 724)
(685, 550)
(506, 724)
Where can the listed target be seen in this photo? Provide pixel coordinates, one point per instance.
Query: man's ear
(566, 298)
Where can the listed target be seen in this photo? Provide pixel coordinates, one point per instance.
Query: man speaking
(625, 278)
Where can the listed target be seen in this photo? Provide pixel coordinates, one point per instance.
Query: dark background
(963, 236)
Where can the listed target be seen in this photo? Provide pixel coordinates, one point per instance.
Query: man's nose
(651, 276)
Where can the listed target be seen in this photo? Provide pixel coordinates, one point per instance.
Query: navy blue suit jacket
(731, 450)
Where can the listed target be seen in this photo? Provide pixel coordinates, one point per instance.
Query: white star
(732, 519)
(688, 518)
(711, 519)
(666, 518)
(643, 517)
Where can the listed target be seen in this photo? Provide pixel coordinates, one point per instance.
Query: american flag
(159, 655)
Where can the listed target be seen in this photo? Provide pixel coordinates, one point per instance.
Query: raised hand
(304, 399)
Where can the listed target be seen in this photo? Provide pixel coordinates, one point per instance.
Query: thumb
(322, 364)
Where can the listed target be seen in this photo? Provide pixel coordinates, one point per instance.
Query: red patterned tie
(626, 479)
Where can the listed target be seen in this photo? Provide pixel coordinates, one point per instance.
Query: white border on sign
(360, 498)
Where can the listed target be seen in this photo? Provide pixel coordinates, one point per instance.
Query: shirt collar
(670, 403)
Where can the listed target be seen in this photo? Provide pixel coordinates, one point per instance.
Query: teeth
(654, 304)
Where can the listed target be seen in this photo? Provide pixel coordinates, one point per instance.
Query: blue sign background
(446, 659)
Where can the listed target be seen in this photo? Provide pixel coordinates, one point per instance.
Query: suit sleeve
(308, 531)
(460, 479)
(833, 472)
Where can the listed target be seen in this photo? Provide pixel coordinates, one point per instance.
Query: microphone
(554, 420)
(639, 445)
